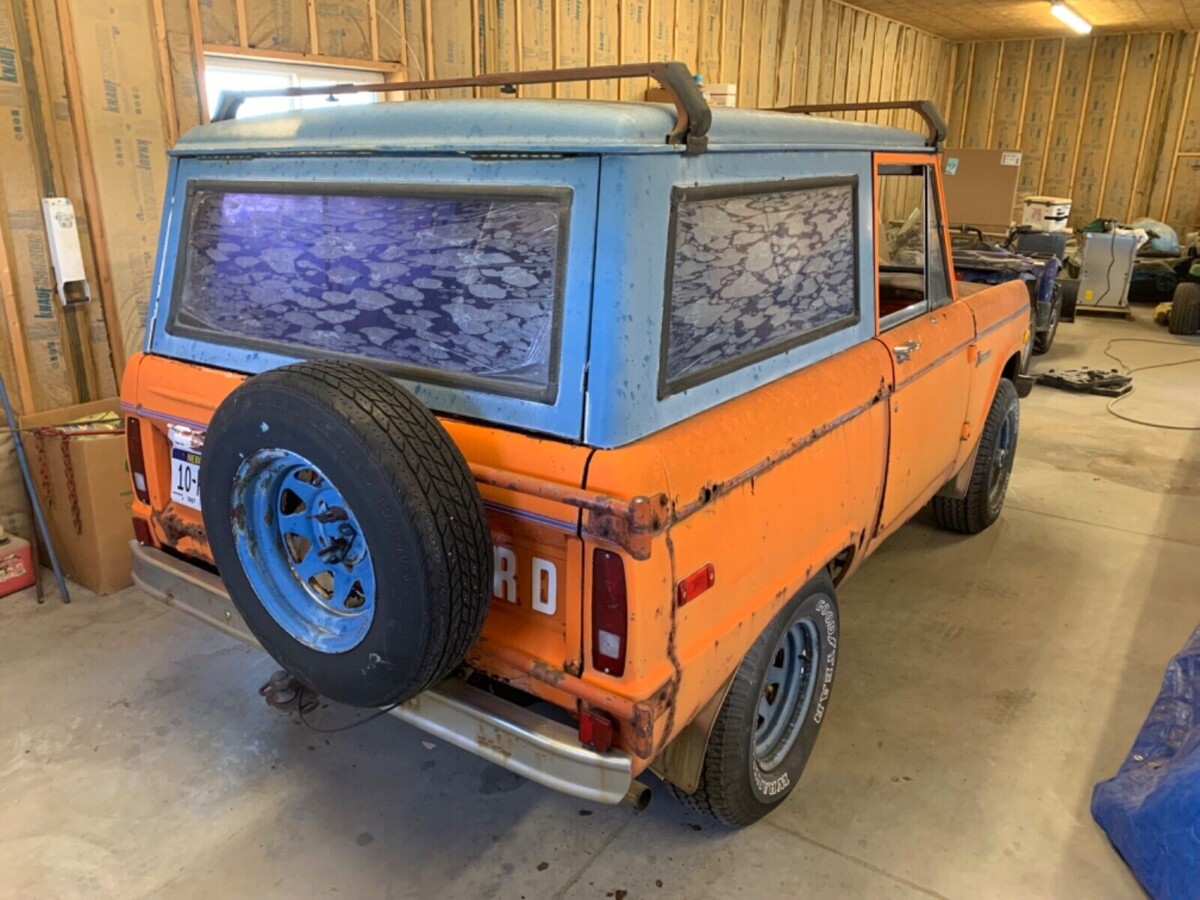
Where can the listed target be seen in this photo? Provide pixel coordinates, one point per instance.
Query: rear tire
(768, 723)
(1185, 310)
(993, 466)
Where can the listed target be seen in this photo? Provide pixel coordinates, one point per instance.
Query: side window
(754, 270)
(913, 277)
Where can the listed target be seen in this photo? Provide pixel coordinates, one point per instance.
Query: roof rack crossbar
(926, 109)
(693, 115)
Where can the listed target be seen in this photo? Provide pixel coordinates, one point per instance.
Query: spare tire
(348, 530)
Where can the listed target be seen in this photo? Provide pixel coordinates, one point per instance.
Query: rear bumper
(508, 735)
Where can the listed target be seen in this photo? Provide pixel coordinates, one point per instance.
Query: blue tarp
(1151, 809)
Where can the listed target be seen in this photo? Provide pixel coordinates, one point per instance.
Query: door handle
(905, 351)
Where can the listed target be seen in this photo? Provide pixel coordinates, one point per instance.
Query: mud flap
(1025, 385)
(681, 761)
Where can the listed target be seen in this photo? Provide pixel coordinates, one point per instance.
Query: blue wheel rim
(1002, 458)
(786, 694)
(303, 551)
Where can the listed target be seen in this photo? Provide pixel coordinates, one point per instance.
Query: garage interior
(986, 685)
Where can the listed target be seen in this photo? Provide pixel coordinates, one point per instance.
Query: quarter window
(754, 271)
(445, 285)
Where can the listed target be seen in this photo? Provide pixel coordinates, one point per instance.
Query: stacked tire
(1185, 310)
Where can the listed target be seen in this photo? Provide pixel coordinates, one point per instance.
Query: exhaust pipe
(638, 796)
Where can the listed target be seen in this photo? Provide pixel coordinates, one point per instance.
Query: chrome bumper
(508, 735)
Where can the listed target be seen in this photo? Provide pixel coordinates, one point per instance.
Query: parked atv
(981, 261)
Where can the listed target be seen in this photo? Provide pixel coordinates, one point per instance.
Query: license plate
(185, 476)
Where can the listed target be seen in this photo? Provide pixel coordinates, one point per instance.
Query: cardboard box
(981, 187)
(82, 478)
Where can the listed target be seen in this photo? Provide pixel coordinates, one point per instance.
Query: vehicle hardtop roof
(527, 126)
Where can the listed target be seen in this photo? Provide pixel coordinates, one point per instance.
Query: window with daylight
(226, 73)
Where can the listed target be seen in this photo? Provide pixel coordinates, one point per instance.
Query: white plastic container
(1046, 213)
(721, 94)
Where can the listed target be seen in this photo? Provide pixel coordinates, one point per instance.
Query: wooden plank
(198, 50)
(981, 94)
(731, 54)
(812, 86)
(789, 37)
(768, 56)
(373, 28)
(431, 68)
(603, 48)
(752, 22)
(536, 39)
(167, 84)
(571, 48)
(1033, 119)
(12, 316)
(635, 45)
(243, 31)
(292, 56)
(687, 32)
(314, 41)
(991, 122)
(1062, 53)
(963, 113)
(712, 17)
(1145, 132)
(880, 86)
(87, 172)
(1183, 118)
(1112, 131)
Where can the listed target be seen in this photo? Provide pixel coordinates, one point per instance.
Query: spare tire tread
(422, 464)
(392, 411)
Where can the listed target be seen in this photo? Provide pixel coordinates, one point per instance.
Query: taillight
(610, 613)
(141, 531)
(137, 462)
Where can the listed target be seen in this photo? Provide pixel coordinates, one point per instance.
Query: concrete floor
(985, 685)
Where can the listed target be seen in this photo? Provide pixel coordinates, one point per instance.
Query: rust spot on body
(176, 527)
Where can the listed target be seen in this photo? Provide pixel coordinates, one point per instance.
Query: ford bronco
(457, 405)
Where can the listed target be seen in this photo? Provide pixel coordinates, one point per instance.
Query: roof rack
(691, 125)
(938, 129)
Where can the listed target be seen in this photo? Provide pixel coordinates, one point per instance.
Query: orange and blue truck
(452, 406)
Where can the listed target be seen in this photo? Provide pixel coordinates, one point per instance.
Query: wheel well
(840, 565)
(1012, 368)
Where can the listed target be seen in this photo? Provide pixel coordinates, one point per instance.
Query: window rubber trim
(679, 194)
(563, 196)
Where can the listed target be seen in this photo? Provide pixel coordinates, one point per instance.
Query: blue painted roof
(500, 125)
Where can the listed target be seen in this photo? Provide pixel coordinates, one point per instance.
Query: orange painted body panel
(767, 488)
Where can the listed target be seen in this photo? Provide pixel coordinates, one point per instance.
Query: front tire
(768, 724)
(1043, 340)
(993, 466)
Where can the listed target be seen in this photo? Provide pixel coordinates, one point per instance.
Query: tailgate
(537, 553)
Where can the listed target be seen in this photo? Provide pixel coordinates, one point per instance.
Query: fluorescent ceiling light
(1069, 17)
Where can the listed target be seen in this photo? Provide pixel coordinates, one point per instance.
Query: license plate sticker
(185, 476)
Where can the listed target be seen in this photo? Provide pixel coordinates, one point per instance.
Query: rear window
(445, 285)
(754, 270)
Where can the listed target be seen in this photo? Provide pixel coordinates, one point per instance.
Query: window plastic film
(755, 272)
(457, 284)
